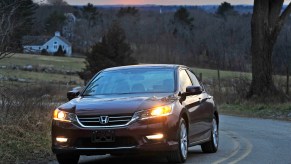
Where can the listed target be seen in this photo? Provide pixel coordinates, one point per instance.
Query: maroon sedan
(137, 109)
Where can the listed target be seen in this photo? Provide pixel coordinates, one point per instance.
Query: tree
(92, 15)
(54, 22)
(267, 22)
(127, 11)
(57, 2)
(16, 21)
(182, 15)
(111, 51)
(282, 56)
(60, 51)
(225, 8)
(183, 24)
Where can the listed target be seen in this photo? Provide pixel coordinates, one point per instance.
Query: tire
(180, 155)
(68, 158)
(212, 145)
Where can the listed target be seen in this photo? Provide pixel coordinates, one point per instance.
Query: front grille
(113, 120)
(119, 142)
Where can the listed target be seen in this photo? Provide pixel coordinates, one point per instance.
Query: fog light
(155, 137)
(61, 139)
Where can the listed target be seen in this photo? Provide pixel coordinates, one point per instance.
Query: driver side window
(193, 78)
(184, 80)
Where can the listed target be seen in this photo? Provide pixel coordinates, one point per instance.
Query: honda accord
(136, 109)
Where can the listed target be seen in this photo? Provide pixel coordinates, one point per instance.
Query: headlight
(154, 112)
(64, 116)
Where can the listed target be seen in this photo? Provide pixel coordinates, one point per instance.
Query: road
(242, 140)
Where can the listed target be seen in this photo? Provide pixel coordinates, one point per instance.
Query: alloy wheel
(184, 141)
(215, 135)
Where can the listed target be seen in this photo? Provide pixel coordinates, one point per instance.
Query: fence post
(287, 81)
(200, 76)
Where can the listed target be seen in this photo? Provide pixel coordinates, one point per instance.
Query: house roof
(41, 40)
(64, 40)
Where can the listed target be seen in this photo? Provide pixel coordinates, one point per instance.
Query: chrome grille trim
(124, 121)
(114, 148)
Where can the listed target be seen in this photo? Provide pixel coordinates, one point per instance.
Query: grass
(58, 63)
(77, 64)
(39, 76)
(250, 109)
(66, 63)
(19, 144)
(212, 74)
(25, 122)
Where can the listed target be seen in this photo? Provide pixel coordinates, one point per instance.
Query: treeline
(187, 36)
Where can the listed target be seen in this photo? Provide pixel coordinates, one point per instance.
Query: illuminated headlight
(155, 137)
(64, 116)
(154, 112)
(61, 139)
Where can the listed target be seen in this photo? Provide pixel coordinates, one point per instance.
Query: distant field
(212, 74)
(58, 63)
(39, 76)
(77, 64)
(68, 63)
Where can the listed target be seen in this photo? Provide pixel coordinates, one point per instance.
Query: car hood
(116, 104)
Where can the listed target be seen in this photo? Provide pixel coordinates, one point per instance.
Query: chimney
(57, 33)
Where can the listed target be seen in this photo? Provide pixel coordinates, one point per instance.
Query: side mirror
(193, 90)
(73, 93)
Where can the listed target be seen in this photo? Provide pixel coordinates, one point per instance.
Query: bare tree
(267, 22)
(8, 24)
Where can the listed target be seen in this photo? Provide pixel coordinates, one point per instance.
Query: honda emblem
(104, 119)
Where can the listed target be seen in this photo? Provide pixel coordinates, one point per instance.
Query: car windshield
(127, 81)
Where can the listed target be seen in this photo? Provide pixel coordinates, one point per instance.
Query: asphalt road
(242, 140)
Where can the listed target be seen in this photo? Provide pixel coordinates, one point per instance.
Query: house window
(47, 47)
(39, 48)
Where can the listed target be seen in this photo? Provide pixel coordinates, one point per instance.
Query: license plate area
(103, 136)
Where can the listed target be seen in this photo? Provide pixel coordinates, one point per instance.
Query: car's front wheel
(68, 158)
(180, 155)
(212, 145)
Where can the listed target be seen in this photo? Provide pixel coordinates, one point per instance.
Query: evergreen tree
(225, 8)
(183, 22)
(111, 51)
(127, 11)
(60, 51)
(91, 14)
(54, 22)
(182, 15)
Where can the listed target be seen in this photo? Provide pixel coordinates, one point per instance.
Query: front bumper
(128, 139)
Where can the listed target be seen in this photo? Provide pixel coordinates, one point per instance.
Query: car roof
(173, 66)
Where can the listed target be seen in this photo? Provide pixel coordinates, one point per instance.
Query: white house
(51, 46)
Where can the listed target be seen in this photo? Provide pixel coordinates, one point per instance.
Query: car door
(202, 119)
(192, 105)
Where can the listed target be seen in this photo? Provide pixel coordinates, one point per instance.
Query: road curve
(242, 140)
